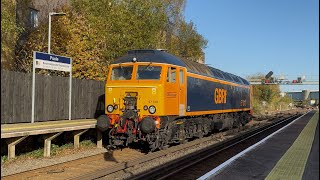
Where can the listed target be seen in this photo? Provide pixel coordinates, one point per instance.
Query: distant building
(32, 13)
(311, 96)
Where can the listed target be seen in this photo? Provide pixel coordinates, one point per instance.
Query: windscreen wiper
(147, 66)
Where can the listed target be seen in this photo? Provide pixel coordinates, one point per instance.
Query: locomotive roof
(160, 56)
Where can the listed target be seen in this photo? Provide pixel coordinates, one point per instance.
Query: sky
(246, 37)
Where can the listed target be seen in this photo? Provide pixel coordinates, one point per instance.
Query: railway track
(132, 168)
(212, 156)
(74, 168)
(114, 163)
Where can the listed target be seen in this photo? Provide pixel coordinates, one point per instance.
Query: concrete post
(305, 94)
(76, 137)
(47, 143)
(99, 139)
(12, 142)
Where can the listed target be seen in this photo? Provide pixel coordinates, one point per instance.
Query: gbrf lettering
(220, 96)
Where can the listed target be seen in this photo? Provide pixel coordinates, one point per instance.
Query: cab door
(172, 91)
(182, 91)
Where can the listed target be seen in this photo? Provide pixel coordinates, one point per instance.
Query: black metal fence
(51, 98)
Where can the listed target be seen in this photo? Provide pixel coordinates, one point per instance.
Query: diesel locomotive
(157, 98)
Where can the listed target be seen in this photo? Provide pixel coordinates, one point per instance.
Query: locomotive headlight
(110, 108)
(115, 107)
(145, 107)
(152, 109)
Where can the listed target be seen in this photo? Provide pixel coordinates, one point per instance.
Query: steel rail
(175, 166)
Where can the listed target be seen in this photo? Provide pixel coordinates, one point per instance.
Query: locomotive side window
(181, 76)
(171, 75)
(149, 72)
(121, 73)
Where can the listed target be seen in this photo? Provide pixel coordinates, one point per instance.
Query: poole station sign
(52, 62)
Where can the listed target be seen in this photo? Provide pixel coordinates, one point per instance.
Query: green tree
(267, 97)
(142, 24)
(123, 25)
(9, 33)
(72, 37)
(95, 34)
(190, 42)
(174, 15)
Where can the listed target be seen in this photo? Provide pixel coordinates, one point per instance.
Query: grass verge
(55, 151)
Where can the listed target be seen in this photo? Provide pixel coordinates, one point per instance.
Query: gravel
(30, 164)
(128, 173)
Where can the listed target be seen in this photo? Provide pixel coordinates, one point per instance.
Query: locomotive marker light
(52, 62)
(110, 108)
(152, 109)
(134, 59)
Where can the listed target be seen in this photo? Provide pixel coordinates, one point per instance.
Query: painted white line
(229, 161)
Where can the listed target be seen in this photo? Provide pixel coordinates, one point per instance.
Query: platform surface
(24, 129)
(292, 153)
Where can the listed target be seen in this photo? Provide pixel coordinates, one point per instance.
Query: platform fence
(51, 98)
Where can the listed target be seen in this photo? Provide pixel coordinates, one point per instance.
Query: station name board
(52, 62)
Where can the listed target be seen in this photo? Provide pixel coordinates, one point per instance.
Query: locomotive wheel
(236, 123)
(182, 141)
(182, 137)
(154, 145)
(164, 141)
(244, 118)
(153, 140)
(200, 134)
(163, 145)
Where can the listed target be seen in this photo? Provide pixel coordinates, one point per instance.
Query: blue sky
(255, 36)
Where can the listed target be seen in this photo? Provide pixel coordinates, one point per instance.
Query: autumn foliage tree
(9, 33)
(72, 37)
(267, 97)
(96, 33)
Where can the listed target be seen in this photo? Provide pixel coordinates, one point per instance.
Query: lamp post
(49, 31)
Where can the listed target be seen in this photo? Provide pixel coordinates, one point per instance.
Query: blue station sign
(52, 62)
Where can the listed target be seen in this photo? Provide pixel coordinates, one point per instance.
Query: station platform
(24, 129)
(290, 153)
(15, 133)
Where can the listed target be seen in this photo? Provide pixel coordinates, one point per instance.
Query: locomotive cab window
(121, 73)
(171, 75)
(148, 72)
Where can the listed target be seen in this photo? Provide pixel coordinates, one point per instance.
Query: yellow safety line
(40, 126)
(293, 162)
